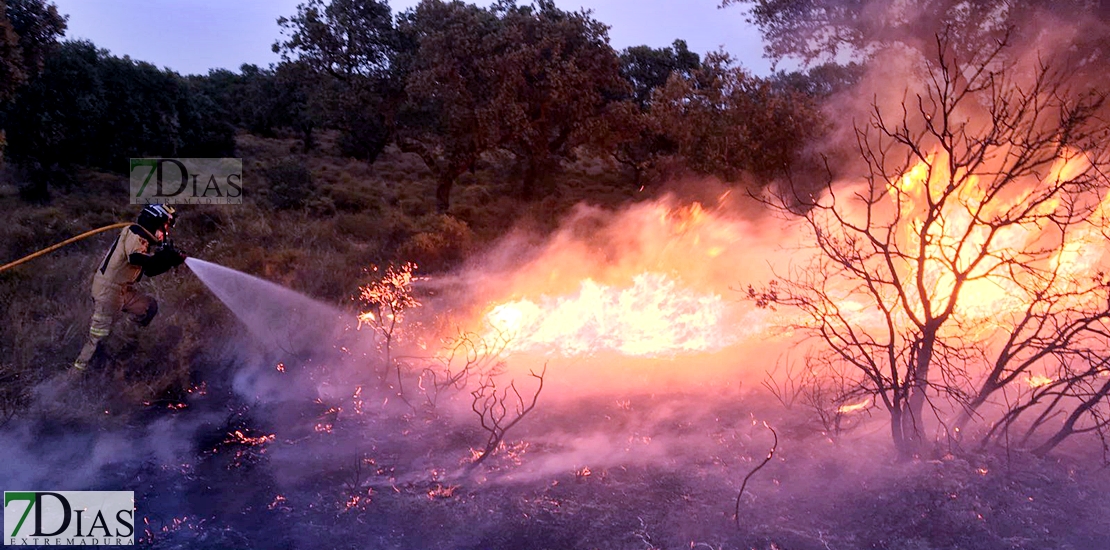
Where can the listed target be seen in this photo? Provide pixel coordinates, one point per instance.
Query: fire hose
(52, 248)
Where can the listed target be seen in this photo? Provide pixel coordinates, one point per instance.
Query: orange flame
(652, 280)
(653, 317)
(963, 234)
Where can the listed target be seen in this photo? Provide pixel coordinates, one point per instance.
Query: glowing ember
(653, 317)
(442, 491)
(355, 501)
(279, 503)
(854, 407)
(239, 437)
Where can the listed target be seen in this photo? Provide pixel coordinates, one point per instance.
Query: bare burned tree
(969, 258)
(493, 409)
(1076, 396)
(467, 355)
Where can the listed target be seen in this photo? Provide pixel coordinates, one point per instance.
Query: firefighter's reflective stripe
(99, 328)
(101, 324)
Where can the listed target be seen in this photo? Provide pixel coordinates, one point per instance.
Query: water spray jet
(278, 316)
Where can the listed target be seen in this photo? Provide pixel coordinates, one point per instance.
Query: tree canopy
(29, 31)
(532, 84)
(648, 68)
(835, 30)
(89, 108)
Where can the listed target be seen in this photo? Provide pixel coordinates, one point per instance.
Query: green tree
(820, 81)
(262, 100)
(648, 68)
(226, 88)
(344, 38)
(629, 131)
(556, 75)
(634, 137)
(298, 103)
(529, 80)
(726, 122)
(12, 73)
(89, 108)
(347, 44)
(447, 61)
(29, 31)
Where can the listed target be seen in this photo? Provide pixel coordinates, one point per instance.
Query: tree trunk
(896, 431)
(913, 421)
(528, 189)
(443, 192)
(309, 137)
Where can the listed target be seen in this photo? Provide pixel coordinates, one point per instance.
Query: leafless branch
(744, 484)
(498, 412)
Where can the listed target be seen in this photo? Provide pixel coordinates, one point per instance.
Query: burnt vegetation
(936, 287)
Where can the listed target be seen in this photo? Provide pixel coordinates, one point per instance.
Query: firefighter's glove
(164, 258)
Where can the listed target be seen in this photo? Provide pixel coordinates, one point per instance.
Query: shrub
(361, 226)
(348, 198)
(443, 243)
(290, 184)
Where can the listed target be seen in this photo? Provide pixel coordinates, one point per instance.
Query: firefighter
(143, 248)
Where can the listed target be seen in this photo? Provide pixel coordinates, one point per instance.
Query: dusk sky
(192, 36)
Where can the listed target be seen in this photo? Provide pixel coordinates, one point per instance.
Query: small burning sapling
(388, 298)
(356, 492)
(826, 389)
(789, 387)
(492, 408)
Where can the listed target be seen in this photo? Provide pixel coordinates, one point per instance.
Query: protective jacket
(123, 264)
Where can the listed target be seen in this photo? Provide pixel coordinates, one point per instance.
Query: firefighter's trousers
(110, 299)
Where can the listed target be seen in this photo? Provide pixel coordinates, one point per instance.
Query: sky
(193, 36)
